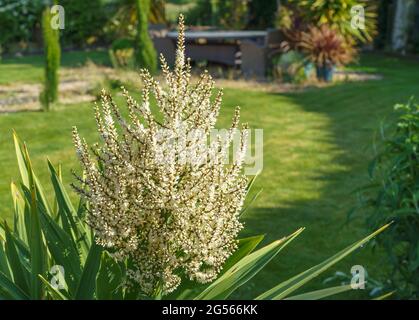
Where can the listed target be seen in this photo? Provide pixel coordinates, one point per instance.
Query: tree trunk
(401, 24)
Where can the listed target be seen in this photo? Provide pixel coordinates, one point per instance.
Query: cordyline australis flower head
(168, 216)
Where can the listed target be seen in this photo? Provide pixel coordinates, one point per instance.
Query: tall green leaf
(285, 288)
(54, 293)
(245, 247)
(15, 262)
(87, 284)
(109, 279)
(190, 289)
(4, 265)
(13, 290)
(20, 219)
(38, 264)
(63, 250)
(320, 294)
(23, 159)
(244, 270)
(68, 214)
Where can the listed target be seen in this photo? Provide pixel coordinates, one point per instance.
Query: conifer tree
(52, 60)
(145, 55)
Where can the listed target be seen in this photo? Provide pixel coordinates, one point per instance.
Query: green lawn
(29, 69)
(316, 151)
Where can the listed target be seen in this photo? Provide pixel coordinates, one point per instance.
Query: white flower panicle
(169, 216)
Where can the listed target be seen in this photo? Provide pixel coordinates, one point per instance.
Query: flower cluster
(169, 217)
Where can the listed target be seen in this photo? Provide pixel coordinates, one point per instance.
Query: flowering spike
(169, 208)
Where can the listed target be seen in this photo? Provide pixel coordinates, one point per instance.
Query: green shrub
(18, 21)
(234, 14)
(262, 14)
(393, 195)
(84, 21)
(52, 60)
(337, 15)
(145, 55)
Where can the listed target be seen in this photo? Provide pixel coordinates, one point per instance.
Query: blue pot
(308, 69)
(325, 73)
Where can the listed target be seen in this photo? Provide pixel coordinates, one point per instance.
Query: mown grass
(317, 145)
(29, 69)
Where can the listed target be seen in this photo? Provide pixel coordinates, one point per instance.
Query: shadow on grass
(354, 112)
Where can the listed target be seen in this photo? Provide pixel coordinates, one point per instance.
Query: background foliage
(21, 20)
(84, 21)
(393, 195)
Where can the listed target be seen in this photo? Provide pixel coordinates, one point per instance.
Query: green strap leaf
(21, 160)
(38, 262)
(24, 166)
(20, 218)
(320, 294)
(16, 265)
(63, 250)
(244, 270)
(4, 265)
(285, 288)
(55, 294)
(86, 288)
(68, 214)
(190, 289)
(11, 289)
(245, 247)
(385, 296)
(109, 279)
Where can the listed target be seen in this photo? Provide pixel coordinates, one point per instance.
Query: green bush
(262, 14)
(18, 21)
(52, 60)
(145, 55)
(337, 15)
(393, 195)
(234, 14)
(84, 21)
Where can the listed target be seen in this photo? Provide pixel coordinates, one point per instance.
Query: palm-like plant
(337, 14)
(325, 47)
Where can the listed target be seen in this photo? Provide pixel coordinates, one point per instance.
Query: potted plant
(326, 49)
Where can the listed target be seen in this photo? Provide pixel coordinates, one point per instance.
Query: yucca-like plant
(338, 15)
(143, 228)
(326, 47)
